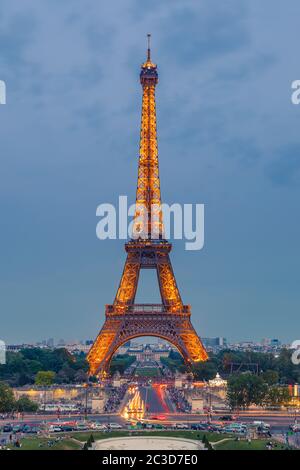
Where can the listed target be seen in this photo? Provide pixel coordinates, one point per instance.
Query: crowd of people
(115, 397)
(178, 398)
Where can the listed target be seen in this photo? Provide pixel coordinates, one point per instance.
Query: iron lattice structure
(147, 249)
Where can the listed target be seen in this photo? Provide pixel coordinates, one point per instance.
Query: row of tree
(248, 389)
(245, 388)
(120, 363)
(8, 403)
(280, 369)
(22, 368)
(43, 367)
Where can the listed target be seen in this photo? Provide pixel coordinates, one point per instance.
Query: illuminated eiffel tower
(147, 249)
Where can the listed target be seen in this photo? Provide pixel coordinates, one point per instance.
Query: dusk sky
(228, 138)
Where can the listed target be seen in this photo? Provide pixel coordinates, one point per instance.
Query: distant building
(122, 350)
(158, 353)
(75, 347)
(270, 343)
(18, 347)
(147, 352)
(215, 343)
(135, 351)
(217, 382)
(266, 345)
(50, 343)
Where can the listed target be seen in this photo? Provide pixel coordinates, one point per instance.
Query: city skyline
(230, 130)
(60, 342)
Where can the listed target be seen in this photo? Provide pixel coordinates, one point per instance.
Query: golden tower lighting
(147, 249)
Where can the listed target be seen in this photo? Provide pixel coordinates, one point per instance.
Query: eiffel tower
(147, 249)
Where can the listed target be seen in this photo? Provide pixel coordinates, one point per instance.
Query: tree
(289, 373)
(271, 377)
(277, 396)
(246, 389)
(25, 404)
(66, 374)
(174, 362)
(7, 400)
(44, 378)
(204, 370)
(93, 379)
(22, 367)
(80, 376)
(206, 442)
(121, 362)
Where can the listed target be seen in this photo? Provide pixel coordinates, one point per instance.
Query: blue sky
(228, 138)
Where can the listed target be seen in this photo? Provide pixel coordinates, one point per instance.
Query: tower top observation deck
(149, 75)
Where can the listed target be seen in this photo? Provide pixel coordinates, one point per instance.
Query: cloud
(197, 33)
(284, 168)
(69, 141)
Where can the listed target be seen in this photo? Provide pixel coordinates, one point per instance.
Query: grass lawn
(259, 444)
(39, 443)
(147, 372)
(212, 437)
(230, 444)
(67, 443)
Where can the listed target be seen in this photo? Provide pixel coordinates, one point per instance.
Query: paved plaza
(147, 443)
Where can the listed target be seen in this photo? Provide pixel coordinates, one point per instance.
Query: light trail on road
(160, 391)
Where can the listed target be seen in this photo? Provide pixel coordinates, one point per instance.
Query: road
(158, 404)
(155, 399)
(277, 422)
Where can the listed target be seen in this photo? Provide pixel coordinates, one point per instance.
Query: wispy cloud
(69, 140)
(284, 168)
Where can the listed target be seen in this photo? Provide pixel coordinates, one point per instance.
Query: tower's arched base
(144, 320)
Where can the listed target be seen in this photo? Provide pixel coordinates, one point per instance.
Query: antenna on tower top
(148, 51)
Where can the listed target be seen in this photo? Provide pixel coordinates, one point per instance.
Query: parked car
(114, 426)
(215, 427)
(7, 428)
(264, 432)
(28, 429)
(235, 429)
(99, 426)
(67, 428)
(226, 418)
(181, 426)
(149, 426)
(82, 427)
(17, 428)
(261, 424)
(159, 426)
(295, 427)
(55, 428)
(228, 430)
(198, 427)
